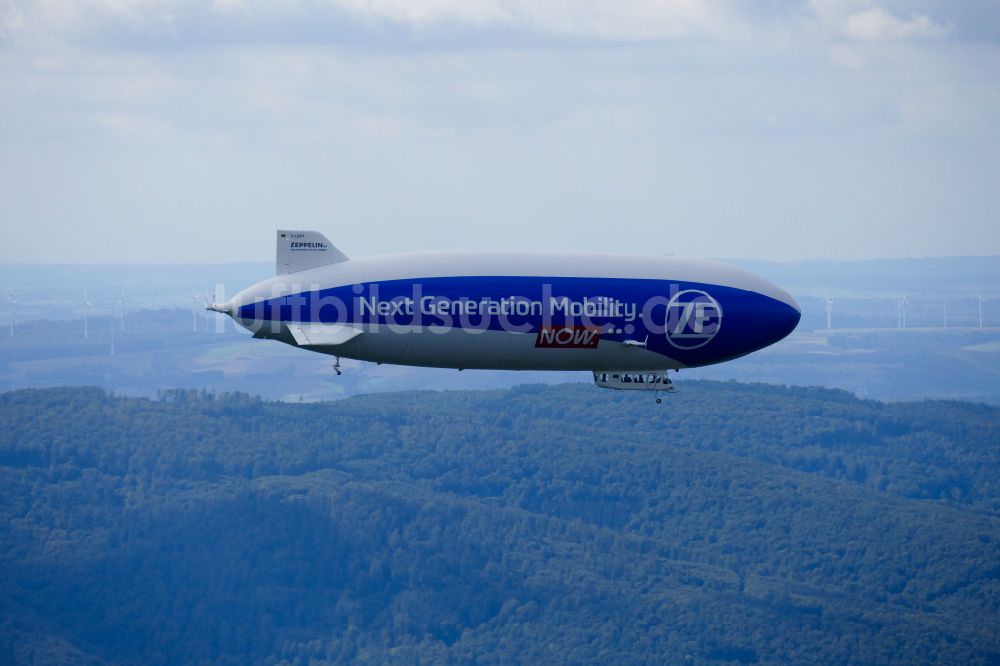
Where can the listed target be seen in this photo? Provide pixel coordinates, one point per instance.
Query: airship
(627, 319)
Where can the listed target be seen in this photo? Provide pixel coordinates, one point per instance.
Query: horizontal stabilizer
(322, 335)
(300, 250)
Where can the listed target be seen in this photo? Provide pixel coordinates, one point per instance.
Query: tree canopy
(733, 524)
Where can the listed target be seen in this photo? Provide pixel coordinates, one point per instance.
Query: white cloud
(618, 20)
(625, 20)
(600, 20)
(421, 13)
(47, 21)
(863, 21)
(876, 24)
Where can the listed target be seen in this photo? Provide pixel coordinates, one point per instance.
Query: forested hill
(732, 524)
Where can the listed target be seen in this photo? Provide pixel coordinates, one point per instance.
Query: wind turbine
(12, 299)
(209, 297)
(195, 297)
(981, 299)
(946, 314)
(86, 306)
(829, 314)
(111, 313)
(122, 307)
(220, 322)
(901, 313)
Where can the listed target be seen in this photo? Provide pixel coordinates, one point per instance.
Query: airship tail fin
(299, 250)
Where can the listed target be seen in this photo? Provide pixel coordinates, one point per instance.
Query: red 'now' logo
(568, 337)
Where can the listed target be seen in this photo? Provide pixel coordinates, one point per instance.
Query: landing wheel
(659, 400)
(336, 366)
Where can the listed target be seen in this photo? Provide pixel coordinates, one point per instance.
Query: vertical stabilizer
(299, 250)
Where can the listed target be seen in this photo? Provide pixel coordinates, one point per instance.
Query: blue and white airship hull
(513, 310)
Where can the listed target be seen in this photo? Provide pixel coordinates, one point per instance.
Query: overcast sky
(187, 130)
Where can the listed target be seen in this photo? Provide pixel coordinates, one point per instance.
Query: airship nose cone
(787, 317)
(230, 307)
(792, 318)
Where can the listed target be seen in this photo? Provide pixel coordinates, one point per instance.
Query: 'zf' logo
(693, 319)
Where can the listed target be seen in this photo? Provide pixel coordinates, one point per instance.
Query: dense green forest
(732, 524)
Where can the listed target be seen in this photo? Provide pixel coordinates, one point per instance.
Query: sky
(189, 130)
